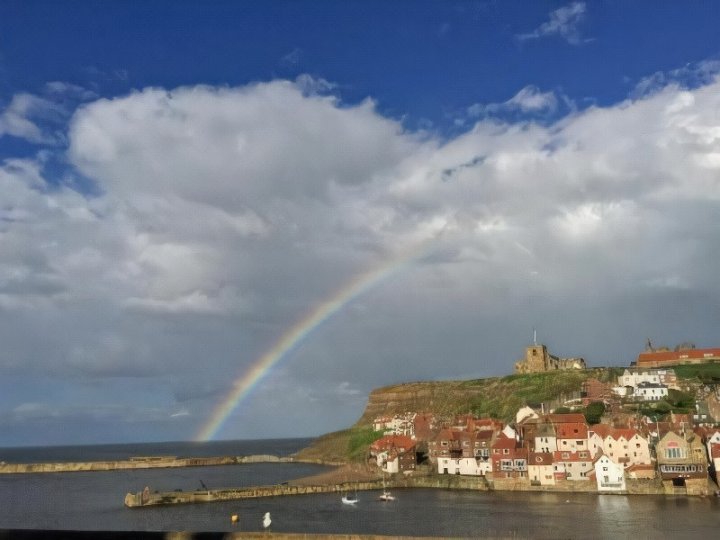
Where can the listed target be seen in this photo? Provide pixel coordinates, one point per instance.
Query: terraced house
(682, 463)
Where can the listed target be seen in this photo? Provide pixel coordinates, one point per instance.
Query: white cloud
(19, 118)
(223, 216)
(563, 22)
(528, 100)
(311, 85)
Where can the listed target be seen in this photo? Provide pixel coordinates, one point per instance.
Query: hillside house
(572, 465)
(540, 469)
(608, 475)
(596, 439)
(545, 439)
(464, 466)
(509, 459)
(399, 424)
(572, 436)
(627, 447)
(646, 391)
(682, 462)
(394, 453)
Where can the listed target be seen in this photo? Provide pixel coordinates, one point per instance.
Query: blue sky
(182, 181)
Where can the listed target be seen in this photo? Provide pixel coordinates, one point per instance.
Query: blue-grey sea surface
(94, 501)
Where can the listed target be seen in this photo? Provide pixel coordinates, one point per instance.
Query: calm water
(90, 501)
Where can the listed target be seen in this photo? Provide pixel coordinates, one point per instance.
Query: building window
(675, 453)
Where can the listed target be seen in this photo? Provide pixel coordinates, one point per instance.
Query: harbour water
(94, 501)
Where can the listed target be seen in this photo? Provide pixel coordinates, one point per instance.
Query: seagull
(266, 520)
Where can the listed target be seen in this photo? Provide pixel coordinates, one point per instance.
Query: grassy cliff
(498, 397)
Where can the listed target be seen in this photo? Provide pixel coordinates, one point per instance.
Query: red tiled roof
(628, 433)
(572, 431)
(504, 442)
(388, 442)
(668, 357)
(484, 434)
(603, 430)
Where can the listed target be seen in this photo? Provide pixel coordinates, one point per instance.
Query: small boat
(349, 499)
(386, 496)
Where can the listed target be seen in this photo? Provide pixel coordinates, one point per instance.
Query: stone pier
(154, 498)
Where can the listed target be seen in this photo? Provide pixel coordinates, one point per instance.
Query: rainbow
(296, 334)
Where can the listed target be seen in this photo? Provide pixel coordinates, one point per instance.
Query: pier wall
(136, 463)
(148, 498)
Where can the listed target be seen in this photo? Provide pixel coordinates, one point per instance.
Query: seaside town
(620, 436)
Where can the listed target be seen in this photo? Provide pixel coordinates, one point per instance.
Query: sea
(93, 501)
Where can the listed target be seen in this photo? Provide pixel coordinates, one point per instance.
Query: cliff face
(438, 397)
(499, 397)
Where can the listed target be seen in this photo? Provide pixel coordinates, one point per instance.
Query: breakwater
(453, 482)
(154, 498)
(151, 462)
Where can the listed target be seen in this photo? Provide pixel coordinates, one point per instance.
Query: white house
(545, 439)
(525, 413)
(649, 385)
(400, 424)
(633, 378)
(596, 439)
(610, 476)
(627, 447)
(464, 466)
(651, 391)
(572, 465)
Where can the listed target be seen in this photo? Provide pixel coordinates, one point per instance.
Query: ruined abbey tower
(538, 360)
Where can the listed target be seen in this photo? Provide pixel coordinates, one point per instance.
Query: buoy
(234, 518)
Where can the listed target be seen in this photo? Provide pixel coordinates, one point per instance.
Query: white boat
(386, 496)
(349, 499)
